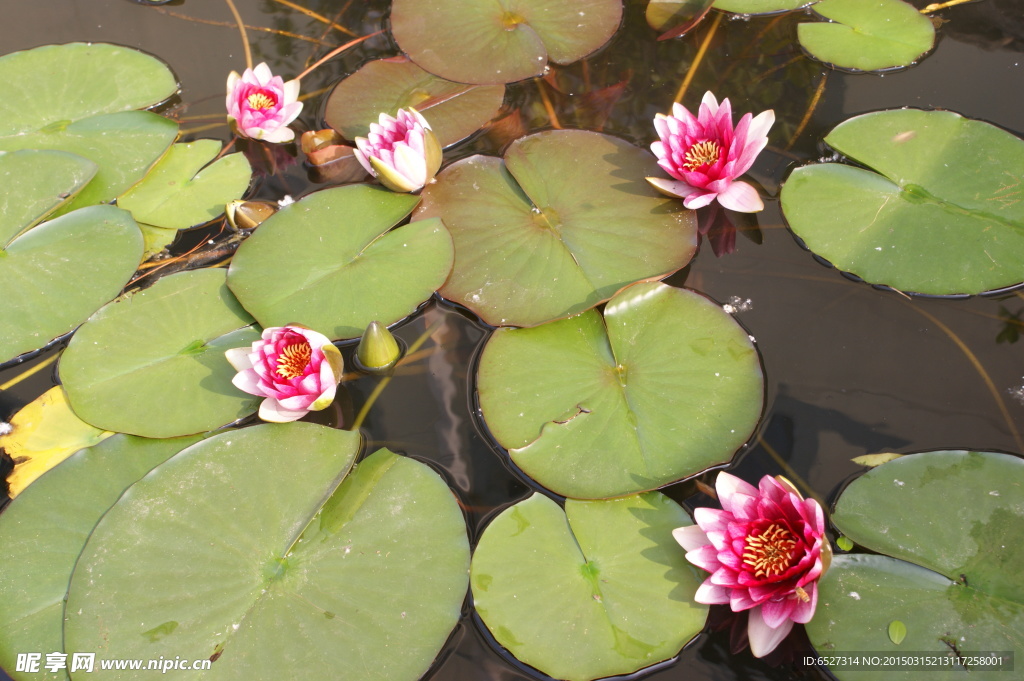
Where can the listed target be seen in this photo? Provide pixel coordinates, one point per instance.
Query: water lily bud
(402, 152)
(378, 350)
(248, 214)
(261, 105)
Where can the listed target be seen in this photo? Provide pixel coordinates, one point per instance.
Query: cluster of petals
(765, 551)
(402, 152)
(705, 154)
(261, 105)
(296, 369)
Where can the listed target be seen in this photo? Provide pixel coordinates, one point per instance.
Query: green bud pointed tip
(378, 349)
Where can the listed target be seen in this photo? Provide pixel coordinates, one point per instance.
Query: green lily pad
(152, 363)
(665, 385)
(124, 145)
(675, 17)
(182, 191)
(66, 83)
(560, 225)
(330, 262)
(35, 184)
(40, 557)
(57, 274)
(454, 110)
(362, 568)
(759, 6)
(941, 215)
(482, 41)
(598, 590)
(867, 35)
(952, 526)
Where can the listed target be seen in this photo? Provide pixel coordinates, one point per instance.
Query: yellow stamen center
(701, 154)
(294, 359)
(260, 100)
(771, 552)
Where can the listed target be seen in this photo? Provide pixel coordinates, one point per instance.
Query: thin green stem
(387, 379)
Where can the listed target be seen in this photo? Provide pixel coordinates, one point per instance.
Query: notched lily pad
(58, 273)
(598, 590)
(333, 262)
(454, 110)
(362, 565)
(482, 41)
(560, 225)
(37, 182)
(665, 385)
(40, 559)
(867, 35)
(951, 525)
(152, 363)
(942, 213)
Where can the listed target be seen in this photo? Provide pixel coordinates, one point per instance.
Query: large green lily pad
(182, 190)
(560, 225)
(329, 262)
(56, 83)
(57, 274)
(867, 35)
(152, 363)
(665, 385)
(79, 97)
(454, 110)
(598, 590)
(759, 6)
(124, 145)
(44, 530)
(483, 41)
(951, 525)
(253, 533)
(35, 184)
(941, 214)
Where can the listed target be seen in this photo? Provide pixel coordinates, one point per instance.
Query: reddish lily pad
(560, 225)
(663, 386)
(483, 41)
(454, 110)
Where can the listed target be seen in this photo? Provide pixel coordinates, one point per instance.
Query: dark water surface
(849, 369)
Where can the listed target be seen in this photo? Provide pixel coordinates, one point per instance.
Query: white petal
(278, 136)
(761, 124)
(239, 358)
(763, 639)
(711, 102)
(291, 91)
(741, 197)
(674, 188)
(272, 411)
(262, 73)
(691, 537)
(248, 381)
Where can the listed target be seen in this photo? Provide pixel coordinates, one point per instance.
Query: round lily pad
(329, 262)
(759, 6)
(598, 590)
(663, 386)
(951, 525)
(66, 83)
(44, 530)
(256, 532)
(454, 110)
(675, 17)
(940, 214)
(37, 182)
(482, 41)
(58, 273)
(560, 225)
(152, 363)
(867, 35)
(188, 187)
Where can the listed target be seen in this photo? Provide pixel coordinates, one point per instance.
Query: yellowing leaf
(44, 433)
(872, 460)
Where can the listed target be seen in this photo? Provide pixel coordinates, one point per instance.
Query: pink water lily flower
(261, 105)
(402, 152)
(765, 551)
(705, 154)
(296, 369)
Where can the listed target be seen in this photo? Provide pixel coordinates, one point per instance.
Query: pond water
(850, 369)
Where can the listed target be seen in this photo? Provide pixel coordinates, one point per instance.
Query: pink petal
(777, 611)
(764, 639)
(728, 486)
(741, 197)
(705, 557)
(248, 381)
(803, 611)
(699, 200)
(712, 519)
(272, 411)
(690, 537)
(711, 594)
